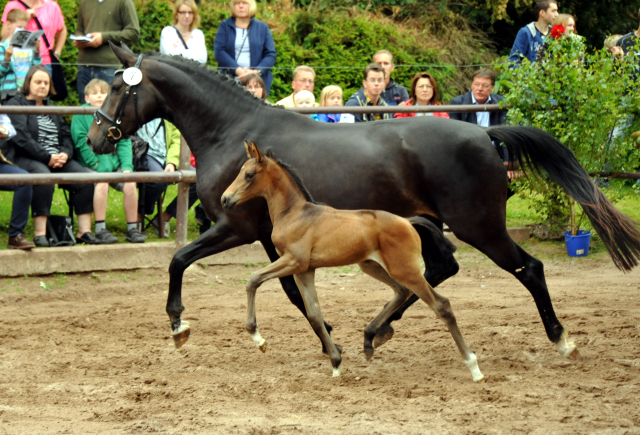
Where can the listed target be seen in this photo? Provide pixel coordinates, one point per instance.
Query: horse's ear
(249, 150)
(257, 152)
(126, 56)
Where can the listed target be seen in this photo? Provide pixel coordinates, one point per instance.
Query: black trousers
(82, 200)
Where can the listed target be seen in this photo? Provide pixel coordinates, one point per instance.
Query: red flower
(557, 31)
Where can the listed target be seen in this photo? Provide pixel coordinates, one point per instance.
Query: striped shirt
(48, 134)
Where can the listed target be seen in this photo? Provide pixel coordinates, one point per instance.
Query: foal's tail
(444, 246)
(539, 151)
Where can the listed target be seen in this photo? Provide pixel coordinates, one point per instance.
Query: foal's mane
(195, 67)
(295, 176)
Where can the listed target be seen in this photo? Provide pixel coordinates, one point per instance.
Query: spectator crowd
(244, 50)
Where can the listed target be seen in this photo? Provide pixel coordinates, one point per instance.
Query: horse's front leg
(284, 266)
(290, 287)
(217, 239)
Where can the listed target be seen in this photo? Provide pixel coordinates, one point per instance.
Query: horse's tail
(538, 151)
(443, 244)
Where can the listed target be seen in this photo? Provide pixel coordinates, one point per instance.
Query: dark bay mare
(438, 168)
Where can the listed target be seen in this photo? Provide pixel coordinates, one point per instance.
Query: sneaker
(134, 236)
(105, 237)
(165, 224)
(20, 242)
(88, 239)
(41, 241)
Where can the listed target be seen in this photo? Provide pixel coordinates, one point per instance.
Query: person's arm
(65, 141)
(61, 38)
(23, 139)
(197, 47)
(79, 128)
(520, 47)
(353, 101)
(125, 155)
(223, 58)
(172, 135)
(268, 51)
(5, 66)
(130, 32)
(167, 37)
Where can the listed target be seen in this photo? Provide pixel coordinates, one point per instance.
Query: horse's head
(127, 106)
(251, 181)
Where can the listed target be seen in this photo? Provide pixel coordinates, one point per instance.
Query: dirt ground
(92, 353)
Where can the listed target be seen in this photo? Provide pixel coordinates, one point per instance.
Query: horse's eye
(249, 176)
(115, 88)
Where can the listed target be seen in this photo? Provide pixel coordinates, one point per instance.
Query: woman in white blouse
(184, 38)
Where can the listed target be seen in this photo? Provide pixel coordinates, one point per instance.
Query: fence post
(183, 197)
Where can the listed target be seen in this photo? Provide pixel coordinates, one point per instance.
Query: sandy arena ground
(92, 353)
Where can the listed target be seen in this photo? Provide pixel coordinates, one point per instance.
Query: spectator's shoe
(134, 236)
(105, 237)
(20, 242)
(88, 239)
(165, 224)
(41, 241)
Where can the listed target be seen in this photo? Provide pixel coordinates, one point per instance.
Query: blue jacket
(528, 41)
(329, 117)
(261, 47)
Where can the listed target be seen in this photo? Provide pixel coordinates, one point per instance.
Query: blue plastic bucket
(578, 245)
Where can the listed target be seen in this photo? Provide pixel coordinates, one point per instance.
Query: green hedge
(336, 44)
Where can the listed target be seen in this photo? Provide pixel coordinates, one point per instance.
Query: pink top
(51, 18)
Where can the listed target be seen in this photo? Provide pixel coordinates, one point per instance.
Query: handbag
(60, 231)
(57, 74)
(139, 149)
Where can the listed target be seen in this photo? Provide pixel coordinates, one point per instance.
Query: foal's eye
(249, 176)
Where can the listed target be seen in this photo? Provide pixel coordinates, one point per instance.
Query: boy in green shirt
(95, 93)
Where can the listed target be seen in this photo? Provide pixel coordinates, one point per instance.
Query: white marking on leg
(564, 346)
(337, 371)
(472, 364)
(183, 327)
(260, 342)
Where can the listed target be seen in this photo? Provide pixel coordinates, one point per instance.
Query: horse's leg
(284, 266)
(530, 272)
(403, 271)
(290, 288)
(401, 295)
(437, 270)
(217, 239)
(307, 287)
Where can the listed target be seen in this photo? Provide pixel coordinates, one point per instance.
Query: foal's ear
(258, 154)
(249, 149)
(126, 56)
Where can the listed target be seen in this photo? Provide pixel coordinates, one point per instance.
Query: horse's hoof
(337, 371)
(263, 346)
(384, 334)
(575, 355)
(181, 335)
(480, 381)
(338, 347)
(368, 354)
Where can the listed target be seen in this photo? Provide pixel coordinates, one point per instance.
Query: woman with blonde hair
(244, 45)
(184, 38)
(331, 96)
(568, 23)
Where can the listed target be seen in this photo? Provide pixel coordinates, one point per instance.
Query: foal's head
(254, 178)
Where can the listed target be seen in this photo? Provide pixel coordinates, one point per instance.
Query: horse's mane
(295, 176)
(191, 65)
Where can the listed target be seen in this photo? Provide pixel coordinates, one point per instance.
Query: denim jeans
(88, 73)
(21, 201)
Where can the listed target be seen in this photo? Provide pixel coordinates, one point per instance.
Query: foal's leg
(402, 293)
(284, 266)
(217, 239)
(289, 285)
(438, 268)
(307, 287)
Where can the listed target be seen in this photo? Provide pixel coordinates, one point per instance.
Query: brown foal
(308, 236)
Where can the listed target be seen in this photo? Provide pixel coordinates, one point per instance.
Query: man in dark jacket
(369, 94)
(393, 93)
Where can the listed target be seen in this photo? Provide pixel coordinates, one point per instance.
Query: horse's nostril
(88, 141)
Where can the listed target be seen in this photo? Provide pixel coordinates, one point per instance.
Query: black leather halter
(113, 134)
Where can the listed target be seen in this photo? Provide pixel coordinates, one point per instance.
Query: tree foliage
(578, 96)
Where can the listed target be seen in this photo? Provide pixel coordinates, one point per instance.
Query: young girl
(331, 96)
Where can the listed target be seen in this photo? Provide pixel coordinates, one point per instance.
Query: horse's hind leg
(219, 238)
(307, 286)
(401, 295)
(437, 270)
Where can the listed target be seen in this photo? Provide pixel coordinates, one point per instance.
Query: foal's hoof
(368, 353)
(575, 355)
(324, 349)
(263, 346)
(384, 334)
(181, 335)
